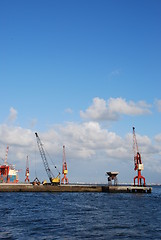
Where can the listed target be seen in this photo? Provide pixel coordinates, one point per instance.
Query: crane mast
(138, 165)
(51, 177)
(64, 168)
(27, 171)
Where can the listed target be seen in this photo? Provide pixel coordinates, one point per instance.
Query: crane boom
(5, 161)
(135, 144)
(45, 162)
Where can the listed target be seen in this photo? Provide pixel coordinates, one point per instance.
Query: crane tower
(27, 171)
(137, 161)
(64, 180)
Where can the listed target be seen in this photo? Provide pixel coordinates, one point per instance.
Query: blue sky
(82, 73)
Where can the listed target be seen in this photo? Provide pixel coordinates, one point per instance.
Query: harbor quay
(73, 188)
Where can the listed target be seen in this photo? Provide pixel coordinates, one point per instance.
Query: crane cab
(140, 166)
(56, 180)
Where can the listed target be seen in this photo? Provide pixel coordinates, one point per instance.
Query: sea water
(80, 215)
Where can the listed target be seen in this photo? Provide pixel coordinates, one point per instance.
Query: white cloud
(158, 105)
(110, 110)
(158, 138)
(68, 110)
(99, 111)
(15, 136)
(13, 114)
(120, 106)
(84, 140)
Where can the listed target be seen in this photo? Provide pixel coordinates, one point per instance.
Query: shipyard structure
(8, 173)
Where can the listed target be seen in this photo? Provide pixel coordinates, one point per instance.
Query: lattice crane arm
(5, 161)
(135, 144)
(137, 156)
(44, 159)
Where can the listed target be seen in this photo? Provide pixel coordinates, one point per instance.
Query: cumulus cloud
(158, 105)
(158, 138)
(13, 114)
(111, 109)
(15, 136)
(88, 141)
(82, 140)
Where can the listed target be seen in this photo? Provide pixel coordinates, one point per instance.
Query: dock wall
(72, 188)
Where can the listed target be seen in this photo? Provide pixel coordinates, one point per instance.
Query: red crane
(27, 171)
(64, 168)
(137, 161)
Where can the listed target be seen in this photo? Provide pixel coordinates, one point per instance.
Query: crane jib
(45, 162)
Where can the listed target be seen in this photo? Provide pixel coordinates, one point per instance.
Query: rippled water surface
(80, 215)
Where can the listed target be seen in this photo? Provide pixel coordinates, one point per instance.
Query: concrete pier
(73, 188)
(128, 189)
